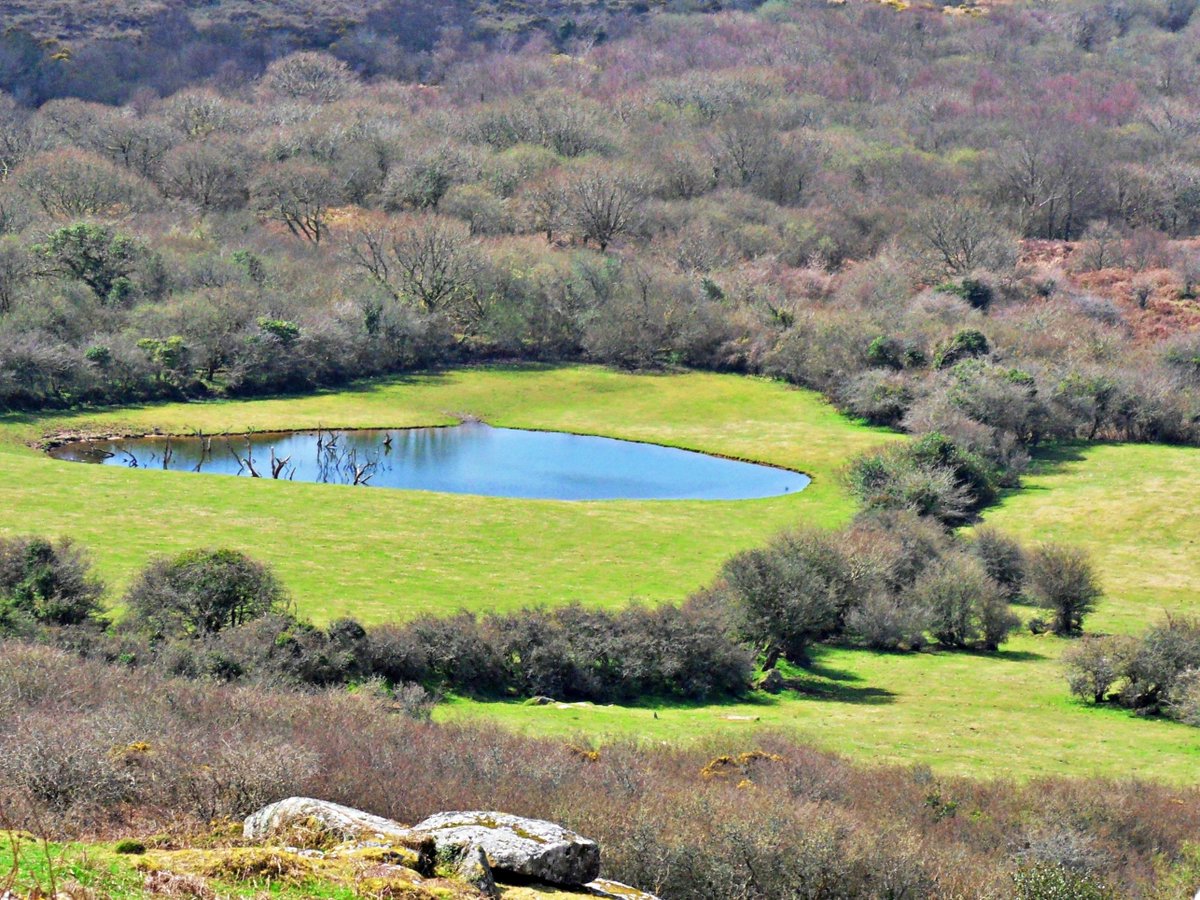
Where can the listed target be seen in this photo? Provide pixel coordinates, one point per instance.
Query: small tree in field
(788, 594)
(201, 592)
(1061, 579)
(1095, 664)
(966, 607)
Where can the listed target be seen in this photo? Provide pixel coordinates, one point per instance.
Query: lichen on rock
(530, 848)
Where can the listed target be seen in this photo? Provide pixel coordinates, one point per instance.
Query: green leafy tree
(967, 343)
(170, 355)
(202, 592)
(101, 258)
(283, 331)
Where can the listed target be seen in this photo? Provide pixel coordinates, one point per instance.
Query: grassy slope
(1006, 714)
(381, 554)
(1133, 507)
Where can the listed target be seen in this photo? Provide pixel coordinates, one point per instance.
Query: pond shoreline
(56, 440)
(475, 458)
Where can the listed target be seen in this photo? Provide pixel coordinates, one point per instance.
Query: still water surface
(471, 458)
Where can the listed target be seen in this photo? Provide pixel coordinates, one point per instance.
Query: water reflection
(471, 458)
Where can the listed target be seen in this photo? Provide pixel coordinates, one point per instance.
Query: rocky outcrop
(472, 851)
(306, 823)
(474, 869)
(530, 848)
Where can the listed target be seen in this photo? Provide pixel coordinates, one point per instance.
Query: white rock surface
(341, 821)
(531, 848)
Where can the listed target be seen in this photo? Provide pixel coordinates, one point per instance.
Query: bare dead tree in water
(168, 455)
(205, 451)
(278, 465)
(364, 472)
(249, 460)
(245, 463)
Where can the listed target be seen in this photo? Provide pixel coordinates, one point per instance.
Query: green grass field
(384, 555)
(380, 554)
(1135, 509)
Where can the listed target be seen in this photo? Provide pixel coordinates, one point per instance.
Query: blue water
(472, 458)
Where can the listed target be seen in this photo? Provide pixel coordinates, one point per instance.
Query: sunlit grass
(380, 554)
(1136, 510)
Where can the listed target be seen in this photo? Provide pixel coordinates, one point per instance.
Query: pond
(472, 458)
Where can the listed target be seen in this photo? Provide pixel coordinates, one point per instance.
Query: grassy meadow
(383, 555)
(1007, 714)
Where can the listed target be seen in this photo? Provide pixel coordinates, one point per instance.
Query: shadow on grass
(1008, 655)
(821, 681)
(1051, 460)
(364, 387)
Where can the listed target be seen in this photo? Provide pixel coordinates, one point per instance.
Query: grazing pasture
(382, 555)
(1131, 506)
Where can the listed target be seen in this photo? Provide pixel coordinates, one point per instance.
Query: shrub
(201, 592)
(965, 344)
(890, 548)
(893, 480)
(974, 473)
(1003, 559)
(1163, 655)
(966, 607)
(979, 294)
(47, 583)
(885, 622)
(1061, 579)
(1183, 699)
(785, 596)
(459, 656)
(881, 397)
(1045, 881)
(1095, 664)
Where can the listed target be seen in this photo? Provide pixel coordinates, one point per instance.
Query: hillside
(316, 23)
(598, 273)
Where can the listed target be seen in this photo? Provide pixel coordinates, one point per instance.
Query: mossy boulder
(317, 824)
(529, 848)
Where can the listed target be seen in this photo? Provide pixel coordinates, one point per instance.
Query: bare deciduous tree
(428, 261)
(318, 77)
(604, 203)
(15, 270)
(960, 235)
(211, 174)
(72, 182)
(298, 195)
